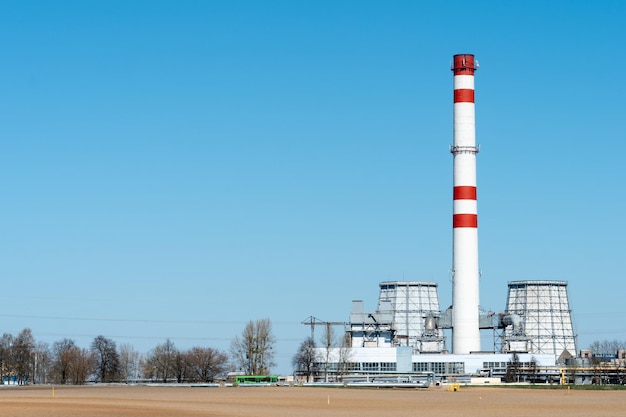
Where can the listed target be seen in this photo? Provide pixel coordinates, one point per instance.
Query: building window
(388, 366)
(440, 368)
(371, 366)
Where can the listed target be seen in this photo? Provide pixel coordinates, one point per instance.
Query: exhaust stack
(465, 272)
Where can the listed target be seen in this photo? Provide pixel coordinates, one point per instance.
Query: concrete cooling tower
(414, 306)
(545, 324)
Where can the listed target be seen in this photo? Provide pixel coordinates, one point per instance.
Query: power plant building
(405, 334)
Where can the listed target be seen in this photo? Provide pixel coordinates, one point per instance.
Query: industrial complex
(405, 337)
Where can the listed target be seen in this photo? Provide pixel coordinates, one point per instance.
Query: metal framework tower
(544, 309)
(465, 292)
(414, 306)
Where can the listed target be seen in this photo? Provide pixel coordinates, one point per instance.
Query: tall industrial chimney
(465, 330)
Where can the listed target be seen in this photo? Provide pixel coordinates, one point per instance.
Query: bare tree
(328, 341)
(71, 364)
(107, 359)
(23, 355)
(513, 369)
(620, 372)
(129, 362)
(43, 363)
(63, 354)
(161, 362)
(532, 370)
(606, 347)
(253, 352)
(306, 359)
(345, 355)
(83, 365)
(204, 364)
(7, 366)
(181, 369)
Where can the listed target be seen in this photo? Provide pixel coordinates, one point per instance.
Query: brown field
(138, 401)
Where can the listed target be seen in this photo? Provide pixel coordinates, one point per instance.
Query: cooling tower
(545, 313)
(414, 307)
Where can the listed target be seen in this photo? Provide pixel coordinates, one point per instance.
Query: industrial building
(406, 334)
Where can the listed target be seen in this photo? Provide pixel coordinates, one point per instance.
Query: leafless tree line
(607, 347)
(23, 360)
(312, 362)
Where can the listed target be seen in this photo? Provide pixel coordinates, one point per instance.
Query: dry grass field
(136, 401)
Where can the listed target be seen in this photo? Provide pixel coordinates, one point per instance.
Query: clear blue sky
(178, 168)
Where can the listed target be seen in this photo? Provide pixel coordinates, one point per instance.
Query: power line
(186, 338)
(154, 321)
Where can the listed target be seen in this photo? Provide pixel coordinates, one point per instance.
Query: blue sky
(176, 169)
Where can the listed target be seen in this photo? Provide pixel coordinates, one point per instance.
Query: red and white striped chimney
(465, 293)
